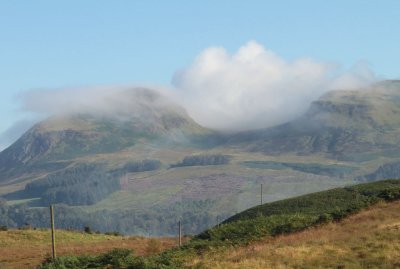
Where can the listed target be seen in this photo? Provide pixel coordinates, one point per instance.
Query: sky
(218, 56)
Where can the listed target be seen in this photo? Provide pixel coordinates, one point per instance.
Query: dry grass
(27, 248)
(370, 239)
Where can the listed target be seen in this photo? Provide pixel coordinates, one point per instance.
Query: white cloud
(255, 88)
(252, 88)
(111, 100)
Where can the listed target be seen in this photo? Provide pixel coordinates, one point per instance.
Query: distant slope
(348, 125)
(388, 170)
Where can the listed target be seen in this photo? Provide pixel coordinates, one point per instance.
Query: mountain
(138, 163)
(344, 125)
(145, 116)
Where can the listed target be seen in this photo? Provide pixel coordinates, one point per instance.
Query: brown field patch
(28, 248)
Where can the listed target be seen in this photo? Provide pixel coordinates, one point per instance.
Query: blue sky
(61, 44)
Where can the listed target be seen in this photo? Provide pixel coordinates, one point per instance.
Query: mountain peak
(129, 117)
(142, 107)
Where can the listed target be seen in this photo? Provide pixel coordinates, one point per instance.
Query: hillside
(369, 239)
(356, 227)
(346, 125)
(143, 161)
(144, 116)
(298, 213)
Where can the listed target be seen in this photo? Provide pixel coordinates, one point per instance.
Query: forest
(81, 184)
(206, 159)
(194, 215)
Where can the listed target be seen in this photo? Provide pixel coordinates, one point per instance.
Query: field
(28, 248)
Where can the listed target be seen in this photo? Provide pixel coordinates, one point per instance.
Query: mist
(14, 132)
(117, 100)
(255, 88)
(249, 89)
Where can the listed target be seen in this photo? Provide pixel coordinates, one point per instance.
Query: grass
(143, 190)
(135, 199)
(301, 212)
(312, 168)
(28, 248)
(22, 201)
(369, 239)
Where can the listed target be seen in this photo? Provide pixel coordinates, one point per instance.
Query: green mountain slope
(147, 117)
(347, 125)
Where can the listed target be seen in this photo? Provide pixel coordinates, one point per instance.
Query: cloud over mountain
(255, 88)
(251, 88)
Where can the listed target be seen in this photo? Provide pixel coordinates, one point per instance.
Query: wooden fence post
(53, 235)
(180, 233)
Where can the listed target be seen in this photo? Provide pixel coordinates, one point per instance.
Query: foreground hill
(299, 232)
(301, 212)
(369, 239)
(141, 164)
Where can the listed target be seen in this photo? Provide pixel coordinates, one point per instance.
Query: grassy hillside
(299, 213)
(314, 216)
(368, 239)
(345, 125)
